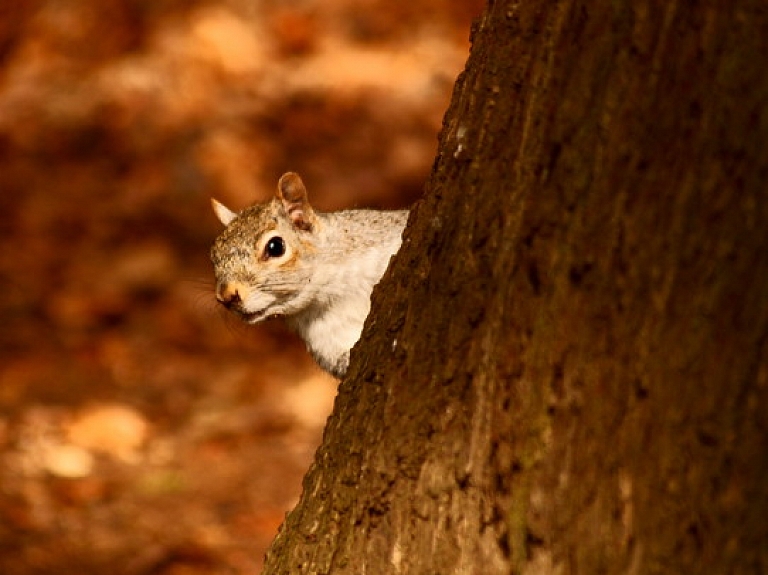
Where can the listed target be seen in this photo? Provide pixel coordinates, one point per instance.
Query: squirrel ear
(293, 195)
(222, 212)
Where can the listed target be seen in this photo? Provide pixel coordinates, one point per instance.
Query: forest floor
(142, 430)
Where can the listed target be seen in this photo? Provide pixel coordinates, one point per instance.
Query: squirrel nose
(228, 294)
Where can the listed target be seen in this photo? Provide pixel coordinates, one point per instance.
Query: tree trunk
(566, 369)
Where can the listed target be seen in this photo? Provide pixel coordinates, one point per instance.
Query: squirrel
(282, 258)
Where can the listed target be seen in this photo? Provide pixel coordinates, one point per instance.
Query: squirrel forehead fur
(237, 244)
(337, 235)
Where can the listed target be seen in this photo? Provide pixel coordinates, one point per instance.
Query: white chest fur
(332, 324)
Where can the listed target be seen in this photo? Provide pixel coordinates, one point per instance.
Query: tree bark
(566, 370)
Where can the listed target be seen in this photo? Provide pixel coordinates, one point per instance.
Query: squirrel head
(263, 260)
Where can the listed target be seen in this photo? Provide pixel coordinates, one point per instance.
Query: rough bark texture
(566, 370)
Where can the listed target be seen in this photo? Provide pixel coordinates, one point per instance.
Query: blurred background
(141, 429)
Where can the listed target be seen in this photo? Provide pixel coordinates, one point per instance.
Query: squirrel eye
(275, 247)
